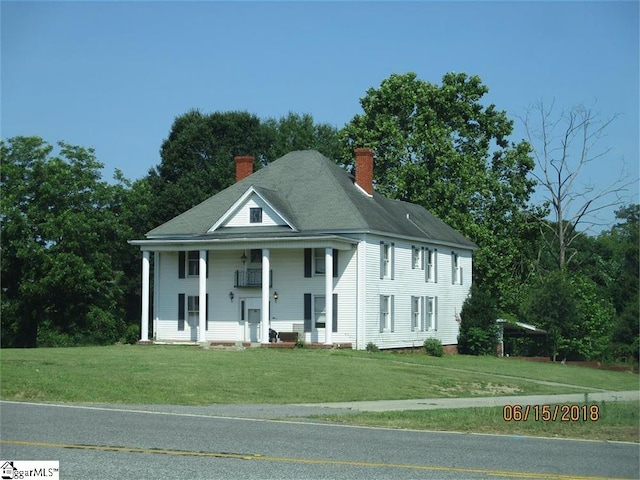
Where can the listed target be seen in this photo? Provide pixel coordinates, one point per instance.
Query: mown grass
(192, 376)
(616, 421)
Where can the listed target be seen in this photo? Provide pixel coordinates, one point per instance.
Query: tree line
(70, 278)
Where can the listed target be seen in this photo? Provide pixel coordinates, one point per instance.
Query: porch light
(231, 296)
(275, 296)
(243, 258)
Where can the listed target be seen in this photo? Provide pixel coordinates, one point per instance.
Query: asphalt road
(199, 442)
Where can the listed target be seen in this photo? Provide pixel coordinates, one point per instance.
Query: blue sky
(114, 75)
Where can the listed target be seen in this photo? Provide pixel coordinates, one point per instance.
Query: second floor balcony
(251, 277)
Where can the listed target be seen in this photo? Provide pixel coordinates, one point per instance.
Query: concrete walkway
(435, 403)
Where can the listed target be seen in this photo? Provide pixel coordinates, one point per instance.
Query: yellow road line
(308, 461)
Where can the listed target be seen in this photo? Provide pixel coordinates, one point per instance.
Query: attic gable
(257, 207)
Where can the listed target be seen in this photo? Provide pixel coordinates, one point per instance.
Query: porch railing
(251, 277)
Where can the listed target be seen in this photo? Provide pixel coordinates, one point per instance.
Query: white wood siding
(410, 282)
(240, 218)
(358, 301)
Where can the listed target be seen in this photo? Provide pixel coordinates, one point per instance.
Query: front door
(253, 317)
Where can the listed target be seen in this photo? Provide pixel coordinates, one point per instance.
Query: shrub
(131, 334)
(479, 334)
(433, 347)
(372, 347)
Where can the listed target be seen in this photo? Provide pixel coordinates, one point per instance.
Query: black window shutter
(392, 313)
(335, 313)
(206, 313)
(307, 262)
(307, 312)
(181, 262)
(207, 266)
(393, 260)
(335, 262)
(181, 311)
(381, 260)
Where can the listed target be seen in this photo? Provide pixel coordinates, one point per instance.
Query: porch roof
(251, 239)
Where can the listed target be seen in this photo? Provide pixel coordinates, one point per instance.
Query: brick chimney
(364, 169)
(244, 167)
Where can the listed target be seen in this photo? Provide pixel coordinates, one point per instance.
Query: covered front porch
(224, 291)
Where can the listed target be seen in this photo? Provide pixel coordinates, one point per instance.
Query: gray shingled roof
(317, 196)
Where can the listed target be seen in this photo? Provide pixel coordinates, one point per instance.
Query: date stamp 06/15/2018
(551, 413)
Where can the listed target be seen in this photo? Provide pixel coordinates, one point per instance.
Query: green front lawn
(183, 375)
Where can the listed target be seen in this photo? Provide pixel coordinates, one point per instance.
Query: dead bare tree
(564, 146)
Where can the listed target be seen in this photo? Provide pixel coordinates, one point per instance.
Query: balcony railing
(251, 277)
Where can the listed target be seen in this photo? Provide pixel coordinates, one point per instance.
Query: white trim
(341, 234)
(241, 201)
(362, 190)
(240, 242)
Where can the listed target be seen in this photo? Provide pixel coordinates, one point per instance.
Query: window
(319, 261)
(256, 255)
(193, 304)
(456, 269)
(315, 262)
(193, 263)
(386, 313)
(189, 263)
(431, 304)
(386, 260)
(255, 215)
(319, 311)
(415, 314)
(415, 258)
(431, 270)
(315, 309)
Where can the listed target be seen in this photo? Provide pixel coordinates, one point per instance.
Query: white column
(264, 320)
(328, 298)
(202, 307)
(144, 318)
(156, 292)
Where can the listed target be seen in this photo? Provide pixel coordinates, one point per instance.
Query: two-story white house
(303, 246)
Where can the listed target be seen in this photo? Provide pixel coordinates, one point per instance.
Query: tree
(60, 241)
(622, 257)
(439, 147)
(197, 159)
(478, 329)
(577, 319)
(564, 147)
(197, 156)
(299, 132)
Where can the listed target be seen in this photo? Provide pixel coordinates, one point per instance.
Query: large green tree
(440, 147)
(197, 156)
(61, 245)
(577, 319)
(299, 132)
(622, 261)
(197, 159)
